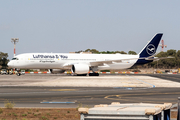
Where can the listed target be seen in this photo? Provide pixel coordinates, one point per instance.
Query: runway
(16, 89)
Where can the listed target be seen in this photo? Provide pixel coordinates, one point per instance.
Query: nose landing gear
(18, 73)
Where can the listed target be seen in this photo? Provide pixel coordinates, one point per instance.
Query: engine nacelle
(56, 71)
(80, 68)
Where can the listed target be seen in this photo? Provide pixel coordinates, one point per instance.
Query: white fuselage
(62, 60)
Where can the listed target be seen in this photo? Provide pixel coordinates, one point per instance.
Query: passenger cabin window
(15, 59)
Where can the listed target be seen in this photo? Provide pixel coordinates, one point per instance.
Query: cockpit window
(15, 59)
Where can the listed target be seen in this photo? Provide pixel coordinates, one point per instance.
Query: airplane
(82, 64)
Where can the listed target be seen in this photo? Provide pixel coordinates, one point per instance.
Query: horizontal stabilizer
(156, 58)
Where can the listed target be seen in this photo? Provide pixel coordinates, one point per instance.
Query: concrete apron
(105, 81)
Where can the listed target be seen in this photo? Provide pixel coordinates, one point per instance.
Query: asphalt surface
(86, 96)
(171, 77)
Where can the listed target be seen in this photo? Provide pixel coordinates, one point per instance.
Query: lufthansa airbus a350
(83, 63)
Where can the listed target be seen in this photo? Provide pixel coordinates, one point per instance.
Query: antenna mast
(14, 41)
(162, 45)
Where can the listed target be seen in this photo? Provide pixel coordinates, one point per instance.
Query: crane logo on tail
(151, 49)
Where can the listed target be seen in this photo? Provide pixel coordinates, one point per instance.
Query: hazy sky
(73, 25)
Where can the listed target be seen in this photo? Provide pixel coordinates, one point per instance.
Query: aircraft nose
(10, 64)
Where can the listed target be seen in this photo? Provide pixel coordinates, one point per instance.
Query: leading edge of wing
(100, 63)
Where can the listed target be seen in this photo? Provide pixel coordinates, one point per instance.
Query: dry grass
(39, 114)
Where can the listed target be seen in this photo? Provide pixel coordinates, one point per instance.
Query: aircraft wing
(101, 63)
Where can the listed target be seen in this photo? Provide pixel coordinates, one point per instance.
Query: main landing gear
(81, 74)
(90, 74)
(93, 74)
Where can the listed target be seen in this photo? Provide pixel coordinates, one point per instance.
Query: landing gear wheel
(81, 74)
(93, 74)
(18, 74)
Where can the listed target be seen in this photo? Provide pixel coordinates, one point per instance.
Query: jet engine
(80, 68)
(56, 71)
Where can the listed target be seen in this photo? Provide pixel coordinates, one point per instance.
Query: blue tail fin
(151, 47)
